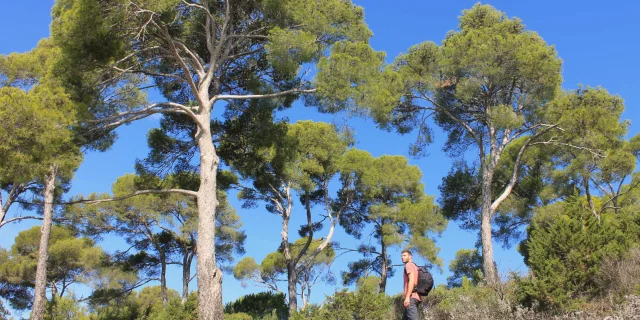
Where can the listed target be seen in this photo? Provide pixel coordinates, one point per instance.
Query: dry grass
(621, 277)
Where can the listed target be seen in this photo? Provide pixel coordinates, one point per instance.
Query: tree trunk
(303, 296)
(306, 302)
(2, 211)
(490, 272)
(383, 273)
(186, 274)
(587, 192)
(210, 305)
(163, 280)
(37, 312)
(292, 279)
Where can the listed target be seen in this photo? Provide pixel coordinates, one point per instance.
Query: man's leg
(411, 313)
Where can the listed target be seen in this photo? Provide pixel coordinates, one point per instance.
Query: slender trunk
(54, 290)
(303, 296)
(587, 193)
(163, 279)
(40, 298)
(4, 206)
(490, 272)
(2, 212)
(306, 302)
(63, 289)
(186, 275)
(292, 276)
(292, 279)
(210, 305)
(383, 273)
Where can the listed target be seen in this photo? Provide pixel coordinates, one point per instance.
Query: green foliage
(122, 307)
(590, 118)
(519, 70)
(366, 303)
(284, 36)
(147, 305)
(13, 289)
(37, 113)
(390, 197)
(63, 308)
(273, 267)
(238, 316)
(564, 250)
(73, 258)
(485, 86)
(348, 77)
(175, 309)
(36, 119)
(176, 213)
(258, 306)
(466, 265)
(306, 155)
(470, 301)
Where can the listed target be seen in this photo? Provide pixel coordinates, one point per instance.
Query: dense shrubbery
(263, 305)
(363, 304)
(565, 250)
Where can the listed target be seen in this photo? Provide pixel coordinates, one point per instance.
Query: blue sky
(597, 40)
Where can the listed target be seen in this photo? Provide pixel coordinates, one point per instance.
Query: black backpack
(425, 281)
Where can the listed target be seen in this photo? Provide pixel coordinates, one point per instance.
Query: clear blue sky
(598, 41)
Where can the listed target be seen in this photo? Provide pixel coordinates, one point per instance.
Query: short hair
(407, 251)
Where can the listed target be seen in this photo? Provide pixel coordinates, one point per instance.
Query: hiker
(411, 298)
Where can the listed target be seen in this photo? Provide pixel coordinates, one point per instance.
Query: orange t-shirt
(411, 268)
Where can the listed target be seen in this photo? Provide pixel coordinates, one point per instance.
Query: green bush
(176, 310)
(260, 305)
(366, 303)
(62, 308)
(237, 316)
(468, 301)
(565, 247)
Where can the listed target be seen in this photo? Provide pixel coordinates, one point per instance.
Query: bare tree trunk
(37, 312)
(163, 279)
(587, 192)
(186, 276)
(2, 211)
(210, 305)
(306, 302)
(383, 272)
(303, 296)
(292, 283)
(490, 272)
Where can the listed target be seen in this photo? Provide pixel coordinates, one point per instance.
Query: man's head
(406, 256)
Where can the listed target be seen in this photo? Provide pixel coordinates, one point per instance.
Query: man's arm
(412, 282)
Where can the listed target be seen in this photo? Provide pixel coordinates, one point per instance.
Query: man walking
(411, 298)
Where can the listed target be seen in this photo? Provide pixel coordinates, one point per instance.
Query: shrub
(366, 303)
(260, 305)
(237, 316)
(565, 247)
(621, 277)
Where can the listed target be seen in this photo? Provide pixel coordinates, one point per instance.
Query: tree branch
(604, 205)
(261, 96)
(18, 219)
(454, 118)
(556, 142)
(514, 177)
(137, 193)
(185, 68)
(310, 226)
